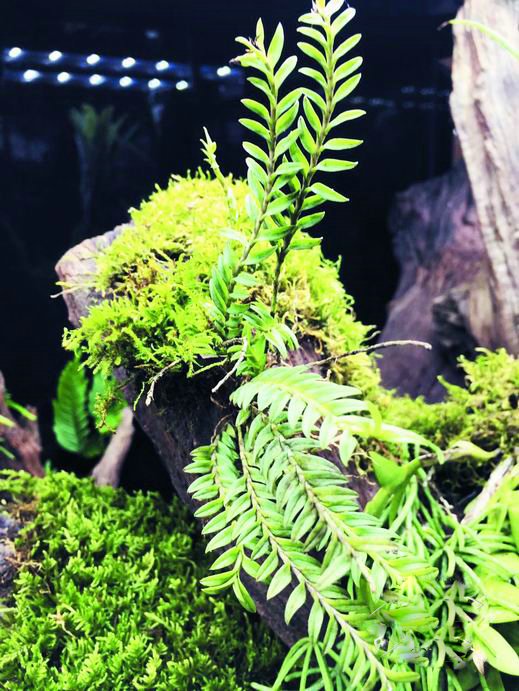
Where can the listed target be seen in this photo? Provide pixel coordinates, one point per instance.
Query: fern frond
(315, 126)
(310, 399)
(329, 602)
(71, 422)
(270, 502)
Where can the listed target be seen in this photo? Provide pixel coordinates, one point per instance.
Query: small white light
(93, 59)
(125, 81)
(182, 85)
(162, 65)
(55, 55)
(15, 52)
(152, 34)
(224, 71)
(30, 75)
(154, 83)
(63, 77)
(128, 62)
(96, 79)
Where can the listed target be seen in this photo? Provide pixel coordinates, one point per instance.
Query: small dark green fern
(78, 425)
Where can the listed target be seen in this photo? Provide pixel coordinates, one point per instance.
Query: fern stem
(334, 521)
(314, 160)
(275, 542)
(272, 144)
(337, 526)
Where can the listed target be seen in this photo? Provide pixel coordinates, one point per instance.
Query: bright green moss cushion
(108, 598)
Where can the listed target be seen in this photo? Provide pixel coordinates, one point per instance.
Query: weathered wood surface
(22, 439)
(183, 415)
(485, 107)
(443, 296)
(9, 528)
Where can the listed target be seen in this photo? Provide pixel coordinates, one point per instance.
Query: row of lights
(63, 77)
(31, 75)
(93, 59)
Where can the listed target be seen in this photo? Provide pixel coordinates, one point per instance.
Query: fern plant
(387, 587)
(81, 420)
(281, 511)
(8, 423)
(275, 505)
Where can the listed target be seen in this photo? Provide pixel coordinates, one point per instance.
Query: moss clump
(109, 598)
(485, 412)
(156, 276)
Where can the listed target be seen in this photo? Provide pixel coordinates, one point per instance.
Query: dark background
(408, 134)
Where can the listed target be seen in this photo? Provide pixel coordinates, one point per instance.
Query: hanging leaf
(495, 648)
(346, 89)
(346, 117)
(333, 165)
(327, 193)
(280, 581)
(255, 127)
(313, 53)
(285, 70)
(295, 601)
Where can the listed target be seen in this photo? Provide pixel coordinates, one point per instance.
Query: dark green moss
(108, 598)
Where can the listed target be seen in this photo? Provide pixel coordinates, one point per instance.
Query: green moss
(483, 412)
(108, 598)
(156, 276)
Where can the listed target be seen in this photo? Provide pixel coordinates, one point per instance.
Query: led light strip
(78, 69)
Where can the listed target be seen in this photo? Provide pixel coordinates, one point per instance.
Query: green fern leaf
(71, 423)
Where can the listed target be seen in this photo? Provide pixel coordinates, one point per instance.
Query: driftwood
(457, 237)
(9, 528)
(107, 472)
(443, 296)
(484, 104)
(183, 414)
(22, 439)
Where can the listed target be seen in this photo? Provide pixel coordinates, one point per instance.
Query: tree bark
(443, 296)
(184, 413)
(485, 104)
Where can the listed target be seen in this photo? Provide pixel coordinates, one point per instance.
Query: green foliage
(289, 517)
(212, 275)
(484, 412)
(477, 562)
(157, 273)
(108, 598)
(79, 403)
(494, 35)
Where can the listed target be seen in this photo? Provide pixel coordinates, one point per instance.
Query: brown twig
(494, 482)
(234, 369)
(22, 439)
(155, 379)
(369, 349)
